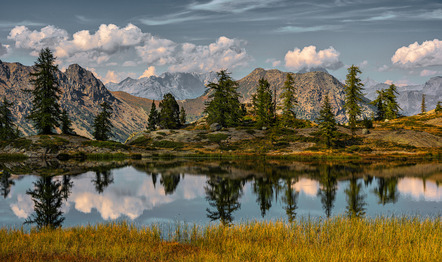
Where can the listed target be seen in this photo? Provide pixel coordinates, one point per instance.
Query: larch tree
(438, 108)
(45, 112)
(353, 90)
(102, 123)
(423, 105)
(224, 107)
(289, 101)
(391, 106)
(379, 103)
(183, 116)
(169, 116)
(66, 124)
(327, 123)
(7, 130)
(263, 105)
(153, 117)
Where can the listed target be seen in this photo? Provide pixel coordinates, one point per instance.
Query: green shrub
(168, 144)
(217, 138)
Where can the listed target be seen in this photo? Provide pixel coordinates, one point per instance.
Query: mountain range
(82, 94)
(410, 96)
(180, 85)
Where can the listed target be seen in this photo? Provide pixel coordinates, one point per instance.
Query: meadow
(335, 239)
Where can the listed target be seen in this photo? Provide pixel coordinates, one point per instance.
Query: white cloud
(308, 57)
(418, 191)
(426, 72)
(24, 206)
(305, 29)
(274, 62)
(150, 71)
(3, 49)
(363, 64)
(109, 43)
(308, 186)
(383, 68)
(429, 53)
(232, 6)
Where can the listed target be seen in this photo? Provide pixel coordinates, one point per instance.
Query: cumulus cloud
(307, 186)
(109, 42)
(150, 71)
(3, 49)
(308, 57)
(426, 72)
(274, 62)
(429, 53)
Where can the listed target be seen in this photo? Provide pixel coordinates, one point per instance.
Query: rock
(365, 131)
(264, 128)
(215, 127)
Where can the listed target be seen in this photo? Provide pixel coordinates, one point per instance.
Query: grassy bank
(338, 239)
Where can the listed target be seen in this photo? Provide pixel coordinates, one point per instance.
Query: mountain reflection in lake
(228, 192)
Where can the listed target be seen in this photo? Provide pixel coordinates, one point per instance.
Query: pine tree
(327, 123)
(423, 106)
(182, 116)
(224, 107)
(169, 116)
(289, 101)
(379, 103)
(102, 124)
(66, 124)
(353, 90)
(438, 108)
(45, 112)
(391, 105)
(7, 130)
(153, 117)
(263, 105)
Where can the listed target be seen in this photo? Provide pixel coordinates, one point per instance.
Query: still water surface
(201, 192)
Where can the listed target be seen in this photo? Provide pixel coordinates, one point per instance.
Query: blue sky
(390, 40)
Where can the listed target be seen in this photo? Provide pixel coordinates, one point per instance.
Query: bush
(217, 138)
(167, 144)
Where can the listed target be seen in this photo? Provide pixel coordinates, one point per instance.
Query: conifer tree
(438, 108)
(289, 101)
(327, 123)
(153, 117)
(182, 116)
(379, 103)
(7, 130)
(423, 106)
(45, 112)
(66, 124)
(263, 105)
(102, 124)
(224, 107)
(391, 105)
(169, 116)
(353, 90)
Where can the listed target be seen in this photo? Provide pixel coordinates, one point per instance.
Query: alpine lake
(177, 191)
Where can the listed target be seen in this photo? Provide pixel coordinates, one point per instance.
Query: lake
(203, 191)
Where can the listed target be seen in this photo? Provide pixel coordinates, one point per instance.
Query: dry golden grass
(337, 239)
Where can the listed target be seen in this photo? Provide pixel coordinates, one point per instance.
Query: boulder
(215, 127)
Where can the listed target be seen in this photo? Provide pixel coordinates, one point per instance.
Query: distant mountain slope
(410, 97)
(81, 96)
(312, 87)
(180, 85)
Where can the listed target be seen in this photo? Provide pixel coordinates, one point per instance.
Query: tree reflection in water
(5, 183)
(386, 190)
(170, 183)
(223, 194)
(48, 199)
(328, 188)
(103, 179)
(263, 188)
(290, 198)
(355, 199)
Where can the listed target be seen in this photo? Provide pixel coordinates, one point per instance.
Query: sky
(391, 41)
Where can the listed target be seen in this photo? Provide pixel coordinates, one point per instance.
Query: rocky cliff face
(312, 87)
(180, 85)
(81, 96)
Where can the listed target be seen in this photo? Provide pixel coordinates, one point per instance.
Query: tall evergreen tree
(327, 123)
(263, 105)
(7, 130)
(169, 116)
(379, 103)
(224, 107)
(353, 90)
(153, 117)
(45, 112)
(102, 124)
(391, 105)
(438, 108)
(289, 101)
(423, 106)
(183, 116)
(66, 124)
